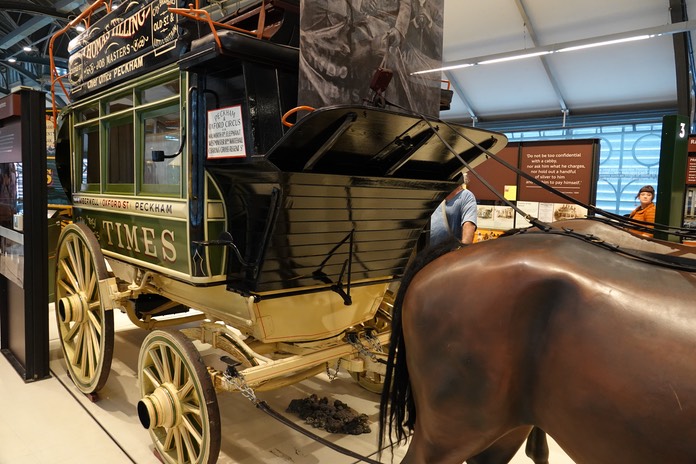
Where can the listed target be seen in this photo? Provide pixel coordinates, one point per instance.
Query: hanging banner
(342, 44)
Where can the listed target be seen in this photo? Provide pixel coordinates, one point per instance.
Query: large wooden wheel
(178, 406)
(86, 329)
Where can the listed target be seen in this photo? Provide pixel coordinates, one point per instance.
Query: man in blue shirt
(455, 216)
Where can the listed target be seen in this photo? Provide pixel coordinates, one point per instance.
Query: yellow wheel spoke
(95, 340)
(176, 378)
(152, 376)
(70, 333)
(167, 445)
(192, 430)
(83, 256)
(95, 323)
(192, 453)
(92, 288)
(88, 274)
(84, 350)
(157, 362)
(188, 408)
(75, 263)
(78, 344)
(69, 274)
(91, 353)
(66, 287)
(166, 371)
(178, 444)
(186, 389)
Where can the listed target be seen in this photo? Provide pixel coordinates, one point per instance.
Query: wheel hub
(73, 308)
(161, 408)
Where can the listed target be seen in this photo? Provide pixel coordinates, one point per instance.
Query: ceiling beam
(28, 74)
(459, 90)
(26, 7)
(33, 81)
(41, 60)
(544, 62)
(35, 24)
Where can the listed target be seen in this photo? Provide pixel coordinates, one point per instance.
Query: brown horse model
(596, 348)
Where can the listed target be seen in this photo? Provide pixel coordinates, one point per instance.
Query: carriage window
(121, 103)
(160, 92)
(91, 112)
(119, 155)
(89, 146)
(118, 132)
(162, 134)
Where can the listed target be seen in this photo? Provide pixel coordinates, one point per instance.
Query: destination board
(124, 44)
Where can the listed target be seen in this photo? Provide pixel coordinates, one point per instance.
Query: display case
(23, 234)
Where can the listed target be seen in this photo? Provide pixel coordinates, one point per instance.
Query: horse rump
(397, 410)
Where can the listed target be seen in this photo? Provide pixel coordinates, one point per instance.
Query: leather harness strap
(678, 263)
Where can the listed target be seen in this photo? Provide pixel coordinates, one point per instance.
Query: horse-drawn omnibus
(191, 189)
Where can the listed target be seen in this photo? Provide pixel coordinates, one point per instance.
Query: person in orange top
(646, 210)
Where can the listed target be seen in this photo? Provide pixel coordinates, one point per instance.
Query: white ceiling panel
(481, 27)
(625, 77)
(498, 88)
(620, 77)
(556, 21)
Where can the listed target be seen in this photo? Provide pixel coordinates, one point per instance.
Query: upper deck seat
(243, 47)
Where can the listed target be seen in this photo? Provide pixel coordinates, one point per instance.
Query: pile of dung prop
(336, 417)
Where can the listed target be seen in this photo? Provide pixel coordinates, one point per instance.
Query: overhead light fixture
(609, 39)
(446, 68)
(80, 28)
(507, 57)
(515, 57)
(27, 48)
(12, 59)
(607, 42)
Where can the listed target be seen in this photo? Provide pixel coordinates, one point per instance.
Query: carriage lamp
(380, 80)
(379, 83)
(446, 99)
(157, 156)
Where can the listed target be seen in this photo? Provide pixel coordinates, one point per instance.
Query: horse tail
(397, 409)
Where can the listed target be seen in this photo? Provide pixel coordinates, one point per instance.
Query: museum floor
(49, 422)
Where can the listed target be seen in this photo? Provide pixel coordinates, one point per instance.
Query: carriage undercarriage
(178, 391)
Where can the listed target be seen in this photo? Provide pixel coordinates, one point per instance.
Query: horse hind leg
(504, 449)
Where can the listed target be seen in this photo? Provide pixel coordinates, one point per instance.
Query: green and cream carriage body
(189, 191)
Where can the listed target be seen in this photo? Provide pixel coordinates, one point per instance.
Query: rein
(263, 406)
(672, 262)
